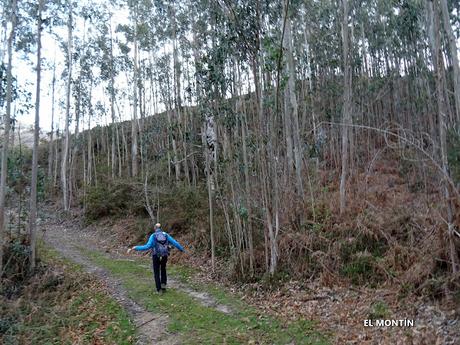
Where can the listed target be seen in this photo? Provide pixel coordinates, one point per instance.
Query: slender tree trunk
(248, 193)
(65, 150)
(134, 124)
(209, 184)
(292, 109)
(56, 160)
(21, 195)
(6, 134)
(33, 187)
(174, 145)
(112, 108)
(50, 152)
(346, 111)
(73, 187)
(438, 62)
(453, 50)
(89, 173)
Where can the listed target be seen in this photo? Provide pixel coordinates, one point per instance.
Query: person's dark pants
(159, 270)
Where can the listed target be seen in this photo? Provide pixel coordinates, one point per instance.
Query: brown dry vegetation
(59, 304)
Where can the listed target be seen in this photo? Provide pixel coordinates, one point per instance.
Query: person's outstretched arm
(148, 245)
(174, 242)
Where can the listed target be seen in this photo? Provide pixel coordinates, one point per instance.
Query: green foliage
(361, 270)
(3, 84)
(15, 267)
(114, 200)
(19, 163)
(183, 207)
(359, 259)
(364, 243)
(453, 154)
(274, 281)
(379, 310)
(141, 228)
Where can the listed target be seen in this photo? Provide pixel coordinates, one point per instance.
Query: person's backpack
(161, 244)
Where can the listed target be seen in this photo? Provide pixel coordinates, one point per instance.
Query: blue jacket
(151, 242)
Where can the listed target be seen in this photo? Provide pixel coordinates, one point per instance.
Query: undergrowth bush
(116, 199)
(15, 267)
(361, 269)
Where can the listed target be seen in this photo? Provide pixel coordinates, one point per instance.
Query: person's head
(157, 226)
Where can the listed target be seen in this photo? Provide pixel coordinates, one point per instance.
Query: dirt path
(66, 242)
(67, 237)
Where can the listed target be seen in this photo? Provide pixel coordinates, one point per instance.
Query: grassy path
(190, 312)
(196, 323)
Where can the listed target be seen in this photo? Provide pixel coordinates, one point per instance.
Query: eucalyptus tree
(33, 188)
(347, 99)
(109, 71)
(6, 132)
(51, 140)
(90, 56)
(66, 141)
(132, 36)
(453, 51)
(169, 14)
(433, 18)
(291, 112)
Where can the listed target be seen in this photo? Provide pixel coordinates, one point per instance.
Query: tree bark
(6, 134)
(453, 50)
(112, 108)
(438, 63)
(134, 125)
(291, 108)
(346, 111)
(66, 143)
(33, 187)
(50, 153)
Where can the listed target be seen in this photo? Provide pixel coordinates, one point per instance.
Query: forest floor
(190, 312)
(198, 310)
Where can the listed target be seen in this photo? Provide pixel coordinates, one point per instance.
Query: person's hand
(130, 250)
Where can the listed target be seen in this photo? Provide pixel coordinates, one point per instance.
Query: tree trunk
(6, 134)
(346, 111)
(438, 63)
(33, 187)
(50, 153)
(208, 152)
(454, 56)
(134, 134)
(65, 150)
(292, 112)
(112, 108)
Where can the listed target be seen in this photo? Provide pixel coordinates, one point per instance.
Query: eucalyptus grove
(265, 107)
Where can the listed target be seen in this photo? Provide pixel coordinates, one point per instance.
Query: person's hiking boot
(163, 286)
(160, 292)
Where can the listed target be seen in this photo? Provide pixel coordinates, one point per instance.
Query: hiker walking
(159, 242)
